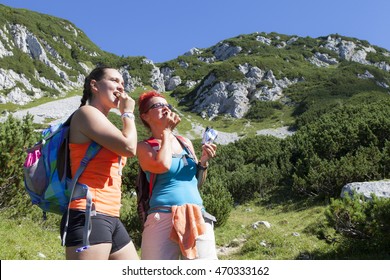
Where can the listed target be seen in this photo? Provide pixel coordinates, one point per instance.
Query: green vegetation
(342, 125)
(292, 183)
(30, 239)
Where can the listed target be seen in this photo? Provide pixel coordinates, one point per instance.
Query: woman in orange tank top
(103, 91)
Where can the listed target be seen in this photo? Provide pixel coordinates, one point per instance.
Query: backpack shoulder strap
(153, 143)
(201, 173)
(91, 152)
(188, 148)
(75, 190)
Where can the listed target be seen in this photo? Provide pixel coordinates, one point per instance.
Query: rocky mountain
(271, 67)
(41, 55)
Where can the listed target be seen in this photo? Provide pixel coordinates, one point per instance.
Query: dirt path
(59, 110)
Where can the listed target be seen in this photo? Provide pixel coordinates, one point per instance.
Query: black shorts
(105, 229)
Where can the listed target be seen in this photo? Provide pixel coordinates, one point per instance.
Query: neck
(158, 133)
(101, 108)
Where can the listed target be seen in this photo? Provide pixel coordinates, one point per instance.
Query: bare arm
(156, 162)
(89, 124)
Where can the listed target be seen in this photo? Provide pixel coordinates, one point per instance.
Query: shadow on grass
(341, 247)
(282, 196)
(347, 249)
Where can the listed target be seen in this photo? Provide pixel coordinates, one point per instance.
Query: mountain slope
(41, 55)
(238, 73)
(242, 84)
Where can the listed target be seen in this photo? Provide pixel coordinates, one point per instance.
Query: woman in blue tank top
(177, 225)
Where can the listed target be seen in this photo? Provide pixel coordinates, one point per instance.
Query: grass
(287, 238)
(297, 231)
(25, 239)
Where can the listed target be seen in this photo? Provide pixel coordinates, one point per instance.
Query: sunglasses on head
(159, 105)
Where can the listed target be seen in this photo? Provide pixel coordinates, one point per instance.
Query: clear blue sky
(164, 29)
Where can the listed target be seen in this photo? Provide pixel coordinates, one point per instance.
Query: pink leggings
(156, 244)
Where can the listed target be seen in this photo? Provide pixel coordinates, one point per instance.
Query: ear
(93, 85)
(144, 116)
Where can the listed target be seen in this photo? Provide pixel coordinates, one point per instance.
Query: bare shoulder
(87, 124)
(145, 151)
(143, 146)
(87, 112)
(185, 139)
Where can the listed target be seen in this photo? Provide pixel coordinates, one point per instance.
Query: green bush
(217, 199)
(261, 110)
(15, 136)
(345, 145)
(250, 167)
(130, 219)
(358, 219)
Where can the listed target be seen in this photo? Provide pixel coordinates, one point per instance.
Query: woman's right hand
(173, 120)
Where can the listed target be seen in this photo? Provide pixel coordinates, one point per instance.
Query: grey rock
(381, 189)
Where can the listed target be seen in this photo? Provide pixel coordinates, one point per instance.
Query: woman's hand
(126, 103)
(173, 120)
(208, 152)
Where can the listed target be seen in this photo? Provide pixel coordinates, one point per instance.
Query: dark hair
(143, 101)
(96, 74)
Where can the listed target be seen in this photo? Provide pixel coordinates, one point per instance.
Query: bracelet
(202, 167)
(129, 115)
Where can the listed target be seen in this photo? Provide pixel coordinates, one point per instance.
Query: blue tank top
(178, 185)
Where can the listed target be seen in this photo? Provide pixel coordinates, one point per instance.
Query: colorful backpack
(143, 187)
(47, 174)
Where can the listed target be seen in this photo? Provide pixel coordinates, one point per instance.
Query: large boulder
(381, 189)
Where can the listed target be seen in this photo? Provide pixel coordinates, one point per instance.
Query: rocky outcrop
(9, 81)
(18, 88)
(223, 98)
(353, 51)
(380, 189)
(343, 49)
(193, 51)
(322, 60)
(28, 43)
(170, 82)
(223, 51)
(131, 83)
(348, 50)
(173, 82)
(157, 78)
(22, 88)
(264, 40)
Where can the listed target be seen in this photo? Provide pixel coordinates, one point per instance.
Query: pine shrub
(362, 220)
(15, 136)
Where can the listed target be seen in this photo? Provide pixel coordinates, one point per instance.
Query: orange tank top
(101, 176)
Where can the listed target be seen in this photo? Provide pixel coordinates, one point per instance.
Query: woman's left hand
(208, 152)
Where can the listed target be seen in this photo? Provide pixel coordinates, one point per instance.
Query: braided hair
(96, 74)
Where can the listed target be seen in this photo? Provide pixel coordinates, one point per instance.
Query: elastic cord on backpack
(89, 212)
